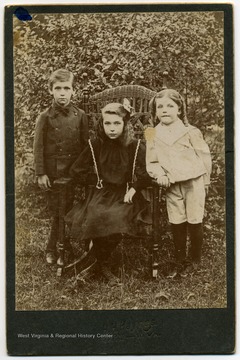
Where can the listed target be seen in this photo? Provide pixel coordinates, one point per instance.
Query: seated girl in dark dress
(116, 206)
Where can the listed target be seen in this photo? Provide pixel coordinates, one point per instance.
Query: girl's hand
(163, 180)
(44, 182)
(129, 195)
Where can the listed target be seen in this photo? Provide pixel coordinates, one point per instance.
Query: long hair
(117, 108)
(173, 95)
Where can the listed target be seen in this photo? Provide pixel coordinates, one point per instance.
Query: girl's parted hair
(118, 109)
(173, 95)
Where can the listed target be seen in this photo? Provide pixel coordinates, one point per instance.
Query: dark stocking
(196, 240)
(180, 240)
(103, 247)
(51, 245)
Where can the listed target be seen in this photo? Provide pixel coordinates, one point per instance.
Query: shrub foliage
(116, 49)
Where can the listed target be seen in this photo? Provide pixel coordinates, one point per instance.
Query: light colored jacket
(177, 151)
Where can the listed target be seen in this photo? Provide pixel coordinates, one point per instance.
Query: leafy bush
(115, 49)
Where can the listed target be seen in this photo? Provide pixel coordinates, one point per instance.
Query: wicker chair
(139, 97)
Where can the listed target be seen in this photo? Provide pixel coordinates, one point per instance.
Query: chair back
(138, 96)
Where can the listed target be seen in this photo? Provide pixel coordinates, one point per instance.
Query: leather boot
(103, 248)
(180, 240)
(108, 275)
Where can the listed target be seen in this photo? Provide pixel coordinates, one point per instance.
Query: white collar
(171, 133)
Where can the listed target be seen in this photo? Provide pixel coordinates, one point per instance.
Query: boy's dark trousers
(53, 208)
(180, 240)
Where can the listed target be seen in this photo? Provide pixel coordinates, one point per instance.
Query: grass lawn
(38, 287)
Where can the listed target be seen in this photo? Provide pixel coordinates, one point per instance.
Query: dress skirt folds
(104, 213)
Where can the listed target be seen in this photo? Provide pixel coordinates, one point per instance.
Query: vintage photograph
(119, 179)
(119, 130)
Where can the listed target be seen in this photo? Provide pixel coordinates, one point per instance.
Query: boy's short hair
(60, 75)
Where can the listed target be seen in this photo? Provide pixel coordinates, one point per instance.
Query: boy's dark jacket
(60, 136)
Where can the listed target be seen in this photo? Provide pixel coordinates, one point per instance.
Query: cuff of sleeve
(135, 186)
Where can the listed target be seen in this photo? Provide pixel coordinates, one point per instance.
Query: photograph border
(205, 331)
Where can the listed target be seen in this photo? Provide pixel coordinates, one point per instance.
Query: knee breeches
(186, 201)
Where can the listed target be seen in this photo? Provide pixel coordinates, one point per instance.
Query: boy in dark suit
(61, 134)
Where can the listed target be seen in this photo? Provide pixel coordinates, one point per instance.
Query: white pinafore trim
(100, 181)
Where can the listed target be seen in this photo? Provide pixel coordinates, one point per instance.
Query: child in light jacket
(179, 159)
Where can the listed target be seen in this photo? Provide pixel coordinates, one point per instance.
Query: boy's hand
(163, 180)
(129, 195)
(44, 182)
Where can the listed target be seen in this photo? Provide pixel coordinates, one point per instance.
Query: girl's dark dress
(103, 212)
